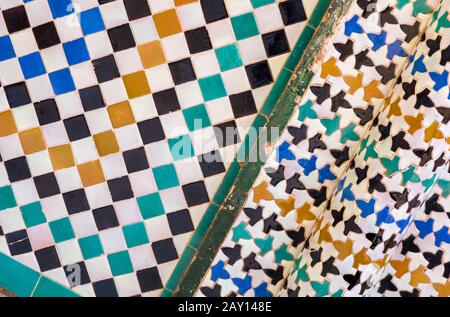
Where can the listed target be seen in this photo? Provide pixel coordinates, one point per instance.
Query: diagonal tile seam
(220, 215)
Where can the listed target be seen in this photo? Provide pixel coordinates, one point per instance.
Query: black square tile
(151, 130)
(17, 169)
(16, 19)
(47, 111)
(76, 201)
(135, 160)
(105, 68)
(77, 128)
(243, 104)
(104, 1)
(105, 288)
(18, 242)
(17, 95)
(105, 217)
(182, 71)
(195, 193)
(227, 133)
(214, 10)
(211, 163)
(166, 101)
(91, 98)
(136, 9)
(180, 222)
(276, 43)
(47, 259)
(259, 74)
(149, 279)
(164, 251)
(77, 274)
(120, 188)
(46, 35)
(292, 11)
(46, 185)
(121, 37)
(198, 40)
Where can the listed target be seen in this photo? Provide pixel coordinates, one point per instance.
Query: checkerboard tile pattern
(110, 116)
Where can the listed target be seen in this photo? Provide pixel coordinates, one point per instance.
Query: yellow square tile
(181, 2)
(91, 173)
(7, 123)
(120, 114)
(136, 84)
(167, 23)
(151, 54)
(106, 143)
(61, 156)
(32, 141)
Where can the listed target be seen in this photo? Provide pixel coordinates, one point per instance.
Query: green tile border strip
(276, 111)
(20, 280)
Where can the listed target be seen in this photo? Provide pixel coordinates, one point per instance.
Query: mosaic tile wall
(96, 98)
(278, 223)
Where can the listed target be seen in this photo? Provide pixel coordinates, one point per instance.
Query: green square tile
(244, 26)
(212, 87)
(120, 263)
(165, 176)
(228, 57)
(135, 234)
(150, 206)
(196, 117)
(7, 199)
(260, 3)
(181, 147)
(91, 246)
(61, 230)
(32, 214)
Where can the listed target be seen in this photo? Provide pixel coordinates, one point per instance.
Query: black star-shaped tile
(345, 50)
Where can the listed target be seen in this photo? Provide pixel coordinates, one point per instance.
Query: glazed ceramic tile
(393, 174)
(357, 73)
(112, 116)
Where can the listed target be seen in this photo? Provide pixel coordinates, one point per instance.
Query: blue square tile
(32, 65)
(60, 8)
(76, 51)
(62, 81)
(91, 21)
(6, 49)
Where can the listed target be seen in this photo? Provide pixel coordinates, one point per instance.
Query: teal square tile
(7, 199)
(120, 263)
(91, 246)
(135, 234)
(150, 206)
(228, 57)
(181, 147)
(61, 230)
(165, 176)
(244, 26)
(196, 117)
(212, 87)
(261, 3)
(32, 214)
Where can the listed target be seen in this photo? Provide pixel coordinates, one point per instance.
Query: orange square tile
(136, 84)
(61, 156)
(167, 23)
(151, 54)
(181, 2)
(106, 143)
(120, 114)
(7, 123)
(32, 141)
(91, 173)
